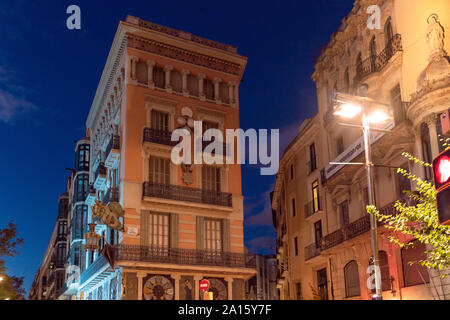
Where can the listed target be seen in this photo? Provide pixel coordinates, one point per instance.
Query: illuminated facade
(181, 223)
(323, 245)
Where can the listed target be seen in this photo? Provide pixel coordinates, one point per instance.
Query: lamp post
(349, 109)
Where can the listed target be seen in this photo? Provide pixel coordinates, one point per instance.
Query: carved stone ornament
(109, 215)
(185, 121)
(438, 67)
(188, 177)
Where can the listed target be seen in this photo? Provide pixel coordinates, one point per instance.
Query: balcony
(113, 152)
(112, 195)
(183, 256)
(91, 196)
(180, 193)
(378, 62)
(159, 136)
(356, 228)
(312, 207)
(100, 177)
(90, 276)
(312, 251)
(284, 267)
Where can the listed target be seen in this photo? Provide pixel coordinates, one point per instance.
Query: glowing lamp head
(442, 170)
(347, 110)
(378, 116)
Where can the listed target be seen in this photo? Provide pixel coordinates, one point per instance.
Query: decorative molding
(180, 54)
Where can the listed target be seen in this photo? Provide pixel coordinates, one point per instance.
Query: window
(298, 291)
(224, 92)
(373, 48)
(176, 81)
(397, 105)
(296, 246)
(62, 228)
(315, 196)
(294, 211)
(359, 63)
(159, 170)
(208, 86)
(426, 149)
(312, 157)
(344, 213)
(322, 284)
(159, 77)
(158, 230)
(210, 178)
(81, 187)
(141, 72)
(318, 233)
(112, 237)
(192, 85)
(388, 33)
(292, 171)
(213, 235)
(351, 275)
(82, 157)
(79, 221)
(347, 80)
(159, 120)
(414, 274)
(339, 145)
(384, 268)
(403, 182)
(439, 134)
(61, 253)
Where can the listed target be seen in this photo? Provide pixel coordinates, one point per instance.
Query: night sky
(49, 74)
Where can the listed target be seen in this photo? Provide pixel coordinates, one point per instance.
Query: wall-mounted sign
(353, 151)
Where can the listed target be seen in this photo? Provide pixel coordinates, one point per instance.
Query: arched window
(141, 72)
(373, 52)
(414, 274)
(347, 80)
(192, 84)
(426, 148)
(388, 33)
(351, 276)
(384, 268)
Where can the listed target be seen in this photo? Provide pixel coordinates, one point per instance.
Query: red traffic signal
(441, 169)
(441, 176)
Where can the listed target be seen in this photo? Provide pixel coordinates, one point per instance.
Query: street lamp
(349, 106)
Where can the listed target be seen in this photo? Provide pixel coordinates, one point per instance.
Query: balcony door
(159, 121)
(213, 239)
(373, 52)
(157, 239)
(322, 284)
(318, 233)
(159, 170)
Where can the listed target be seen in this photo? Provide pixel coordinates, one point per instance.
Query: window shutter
(145, 215)
(200, 234)
(173, 237)
(226, 245)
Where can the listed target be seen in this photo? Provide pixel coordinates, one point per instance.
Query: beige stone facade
(323, 245)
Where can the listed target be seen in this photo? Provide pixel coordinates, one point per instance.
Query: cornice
(173, 52)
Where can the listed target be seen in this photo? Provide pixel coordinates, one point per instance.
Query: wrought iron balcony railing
(183, 256)
(93, 268)
(114, 143)
(101, 170)
(180, 193)
(159, 136)
(377, 62)
(311, 251)
(312, 207)
(357, 227)
(112, 195)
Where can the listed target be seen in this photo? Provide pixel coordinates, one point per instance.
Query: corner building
(181, 223)
(323, 245)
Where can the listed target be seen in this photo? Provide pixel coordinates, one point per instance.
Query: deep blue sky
(49, 74)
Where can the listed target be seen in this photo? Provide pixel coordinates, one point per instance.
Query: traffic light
(441, 176)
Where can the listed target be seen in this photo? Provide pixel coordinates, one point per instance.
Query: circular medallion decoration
(158, 288)
(217, 287)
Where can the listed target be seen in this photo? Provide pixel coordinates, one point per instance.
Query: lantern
(91, 238)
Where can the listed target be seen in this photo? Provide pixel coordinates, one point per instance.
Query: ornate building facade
(180, 223)
(323, 245)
